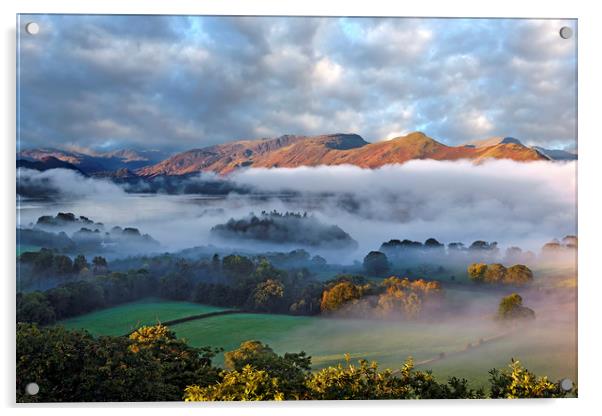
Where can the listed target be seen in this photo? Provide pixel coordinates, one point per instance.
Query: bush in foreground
(153, 365)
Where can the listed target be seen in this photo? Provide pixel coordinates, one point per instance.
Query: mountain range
(94, 162)
(288, 151)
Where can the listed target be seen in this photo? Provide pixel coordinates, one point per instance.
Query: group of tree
(285, 228)
(45, 263)
(496, 273)
(560, 251)
(153, 365)
(73, 366)
(82, 296)
(408, 251)
(568, 242)
(70, 234)
(234, 281)
(394, 297)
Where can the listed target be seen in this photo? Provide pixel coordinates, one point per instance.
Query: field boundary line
(195, 317)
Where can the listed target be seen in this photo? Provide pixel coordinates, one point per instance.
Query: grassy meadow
(122, 319)
(546, 346)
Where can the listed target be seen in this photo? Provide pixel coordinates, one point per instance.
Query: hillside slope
(332, 149)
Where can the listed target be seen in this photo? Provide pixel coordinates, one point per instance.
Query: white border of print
(590, 152)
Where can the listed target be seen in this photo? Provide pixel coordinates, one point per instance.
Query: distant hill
(286, 151)
(550, 154)
(556, 154)
(492, 141)
(332, 149)
(46, 163)
(96, 162)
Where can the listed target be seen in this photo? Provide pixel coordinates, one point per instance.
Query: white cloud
(177, 83)
(327, 72)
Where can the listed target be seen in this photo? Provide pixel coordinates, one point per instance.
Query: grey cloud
(177, 82)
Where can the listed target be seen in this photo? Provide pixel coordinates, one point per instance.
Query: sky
(174, 83)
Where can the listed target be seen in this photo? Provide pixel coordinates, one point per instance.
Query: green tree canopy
(376, 263)
(268, 295)
(511, 307)
(291, 369)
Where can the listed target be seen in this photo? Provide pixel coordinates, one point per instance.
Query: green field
(122, 319)
(545, 347)
(541, 350)
(22, 248)
(389, 343)
(327, 340)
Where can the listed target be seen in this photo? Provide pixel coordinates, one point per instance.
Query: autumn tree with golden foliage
(496, 273)
(406, 298)
(340, 294)
(519, 383)
(248, 384)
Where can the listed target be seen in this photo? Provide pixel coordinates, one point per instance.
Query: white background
(590, 160)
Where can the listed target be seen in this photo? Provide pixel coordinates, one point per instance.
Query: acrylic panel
(295, 208)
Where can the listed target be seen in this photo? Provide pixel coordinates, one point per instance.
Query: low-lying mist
(513, 203)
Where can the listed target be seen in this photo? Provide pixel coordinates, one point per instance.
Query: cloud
(504, 201)
(177, 82)
(65, 183)
(513, 203)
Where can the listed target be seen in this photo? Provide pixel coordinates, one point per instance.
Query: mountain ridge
(333, 149)
(295, 151)
(95, 162)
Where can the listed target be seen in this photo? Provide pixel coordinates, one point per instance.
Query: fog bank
(522, 204)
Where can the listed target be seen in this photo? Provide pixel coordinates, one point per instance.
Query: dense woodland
(75, 286)
(151, 364)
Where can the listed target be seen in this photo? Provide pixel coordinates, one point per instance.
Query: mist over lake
(515, 204)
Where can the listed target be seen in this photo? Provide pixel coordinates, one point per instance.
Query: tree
(248, 384)
(62, 265)
(511, 308)
(34, 307)
(570, 241)
(433, 244)
(495, 273)
(376, 263)
(61, 299)
(518, 274)
(74, 366)
(366, 382)
(237, 267)
(43, 260)
(216, 263)
(290, 369)
(80, 263)
(177, 286)
(265, 271)
(481, 245)
(268, 295)
(476, 272)
(318, 261)
(518, 382)
(456, 247)
(340, 294)
(405, 298)
(100, 264)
